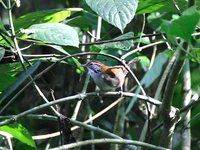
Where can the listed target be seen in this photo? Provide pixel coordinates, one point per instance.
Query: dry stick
(39, 137)
(4, 5)
(141, 48)
(51, 135)
(146, 124)
(92, 128)
(153, 56)
(78, 104)
(177, 8)
(74, 122)
(8, 137)
(13, 32)
(187, 93)
(96, 42)
(119, 40)
(162, 81)
(106, 140)
(43, 55)
(79, 97)
(98, 36)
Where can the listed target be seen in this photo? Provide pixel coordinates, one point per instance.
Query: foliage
(42, 51)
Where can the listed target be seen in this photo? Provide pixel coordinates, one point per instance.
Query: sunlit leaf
(45, 16)
(54, 33)
(20, 133)
(149, 6)
(116, 12)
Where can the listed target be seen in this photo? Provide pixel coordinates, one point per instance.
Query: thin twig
(141, 48)
(113, 141)
(4, 5)
(177, 8)
(142, 30)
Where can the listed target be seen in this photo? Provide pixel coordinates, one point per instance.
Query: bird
(107, 78)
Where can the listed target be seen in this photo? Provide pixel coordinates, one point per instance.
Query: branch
(114, 141)
(170, 115)
(77, 97)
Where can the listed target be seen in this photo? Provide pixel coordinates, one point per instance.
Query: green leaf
(18, 82)
(144, 61)
(75, 22)
(45, 16)
(116, 12)
(5, 41)
(20, 133)
(155, 70)
(196, 54)
(149, 6)
(184, 26)
(54, 33)
(2, 52)
(122, 45)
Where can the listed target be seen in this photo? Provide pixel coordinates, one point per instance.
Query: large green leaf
(19, 132)
(54, 33)
(117, 12)
(155, 70)
(184, 26)
(45, 16)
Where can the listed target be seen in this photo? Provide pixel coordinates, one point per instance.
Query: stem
(13, 32)
(186, 136)
(170, 115)
(141, 48)
(142, 31)
(114, 141)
